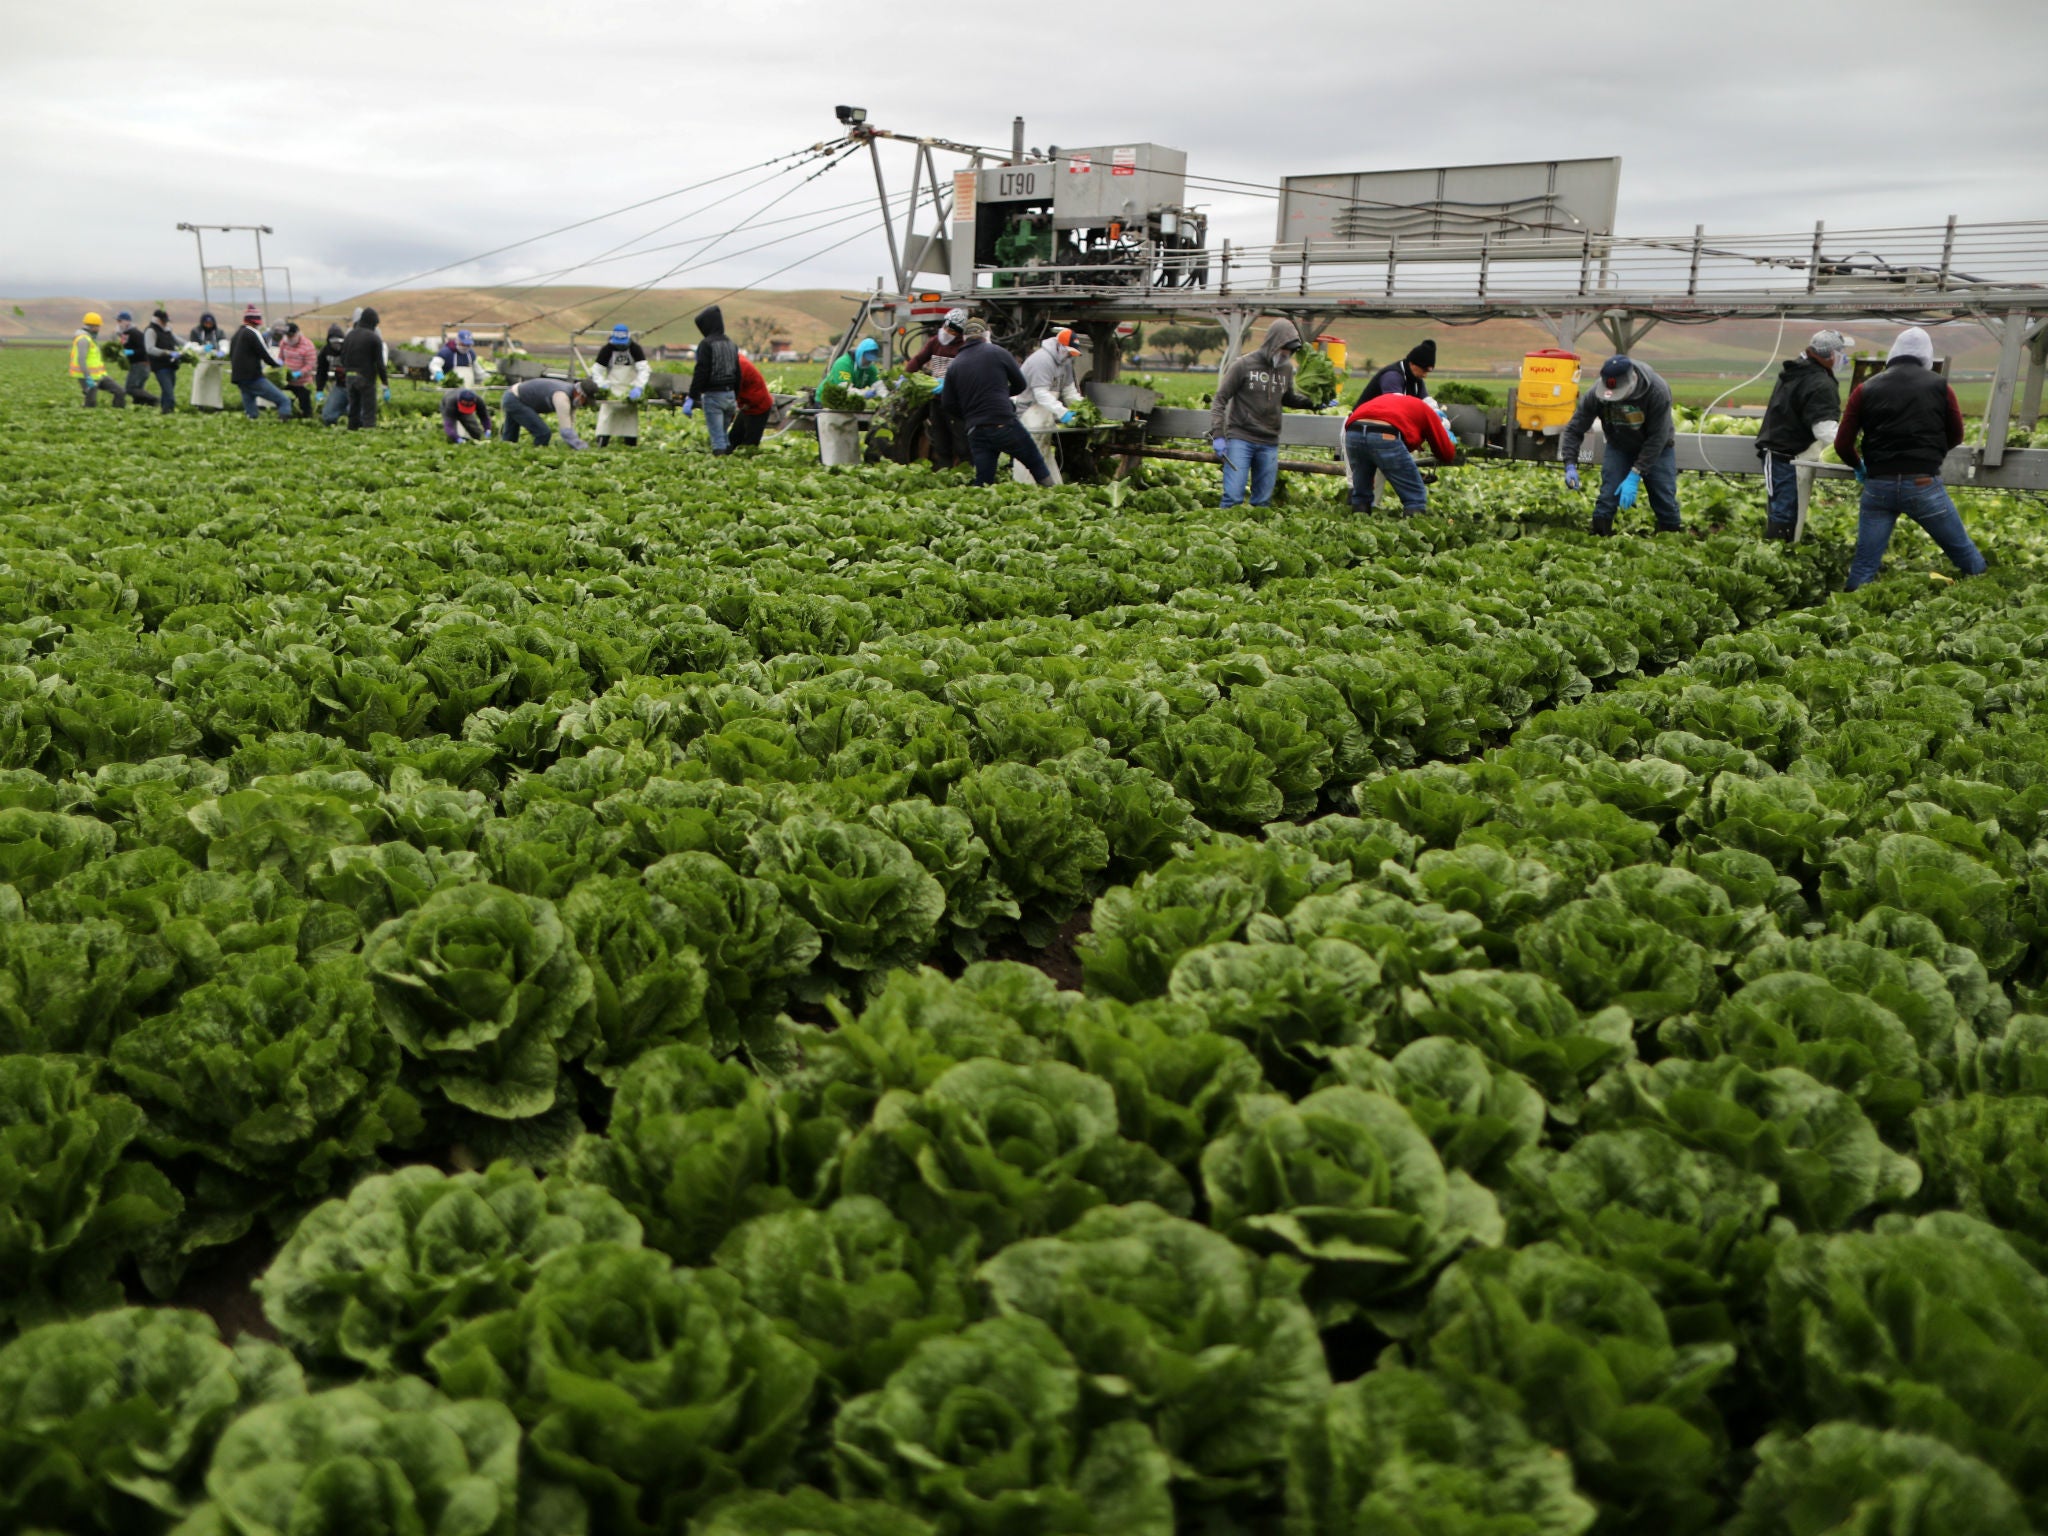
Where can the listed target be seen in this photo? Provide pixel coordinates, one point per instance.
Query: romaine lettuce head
(1841, 1479)
(648, 983)
(1206, 1342)
(983, 1431)
(648, 1389)
(378, 1277)
(1347, 1182)
(805, 1511)
(105, 1423)
(384, 1457)
(485, 990)
(1400, 1450)
(863, 891)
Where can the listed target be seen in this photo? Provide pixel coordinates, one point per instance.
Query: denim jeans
(1386, 454)
(260, 388)
(519, 416)
(137, 384)
(1256, 463)
(1924, 499)
(986, 446)
(1660, 484)
(1781, 496)
(334, 404)
(166, 388)
(720, 407)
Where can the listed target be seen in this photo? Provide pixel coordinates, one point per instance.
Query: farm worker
(248, 355)
(1804, 413)
(464, 417)
(207, 333)
(330, 378)
(135, 353)
(1381, 437)
(856, 369)
(160, 346)
(1634, 405)
(88, 367)
(1908, 419)
(300, 358)
(362, 355)
(982, 384)
(621, 368)
(523, 404)
(457, 355)
(755, 404)
(715, 381)
(1407, 377)
(1049, 382)
(1244, 421)
(934, 357)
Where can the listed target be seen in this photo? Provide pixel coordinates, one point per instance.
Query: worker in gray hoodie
(1244, 421)
(1633, 405)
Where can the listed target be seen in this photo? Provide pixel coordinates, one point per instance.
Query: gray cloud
(380, 138)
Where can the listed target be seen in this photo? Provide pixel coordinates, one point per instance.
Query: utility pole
(205, 285)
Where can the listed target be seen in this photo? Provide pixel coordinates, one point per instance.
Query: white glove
(434, 369)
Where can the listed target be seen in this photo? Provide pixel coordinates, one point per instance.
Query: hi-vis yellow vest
(85, 357)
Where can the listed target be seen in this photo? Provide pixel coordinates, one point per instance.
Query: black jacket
(1806, 395)
(134, 346)
(1394, 379)
(161, 343)
(981, 382)
(362, 350)
(718, 360)
(205, 335)
(248, 355)
(330, 365)
(1908, 420)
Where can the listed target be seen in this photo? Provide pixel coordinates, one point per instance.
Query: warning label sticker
(1080, 165)
(1123, 162)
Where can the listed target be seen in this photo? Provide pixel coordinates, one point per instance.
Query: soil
(221, 1286)
(1058, 959)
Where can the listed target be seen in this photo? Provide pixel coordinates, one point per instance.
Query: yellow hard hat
(92, 317)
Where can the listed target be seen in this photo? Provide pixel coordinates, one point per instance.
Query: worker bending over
(1800, 421)
(464, 417)
(160, 346)
(1244, 420)
(755, 404)
(1049, 381)
(934, 358)
(135, 353)
(715, 380)
(1908, 420)
(87, 366)
(1381, 437)
(523, 403)
(249, 355)
(621, 371)
(982, 385)
(330, 377)
(300, 359)
(856, 370)
(457, 356)
(1634, 406)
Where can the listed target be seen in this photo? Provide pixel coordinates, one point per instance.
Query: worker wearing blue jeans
(721, 409)
(1659, 477)
(1924, 499)
(1253, 466)
(987, 444)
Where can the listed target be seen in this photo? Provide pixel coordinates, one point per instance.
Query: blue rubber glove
(633, 393)
(939, 388)
(1571, 477)
(92, 386)
(1631, 485)
(1862, 474)
(1067, 420)
(387, 394)
(1217, 444)
(689, 405)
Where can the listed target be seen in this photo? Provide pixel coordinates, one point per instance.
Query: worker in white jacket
(1049, 400)
(621, 368)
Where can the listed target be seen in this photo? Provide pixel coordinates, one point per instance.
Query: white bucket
(838, 438)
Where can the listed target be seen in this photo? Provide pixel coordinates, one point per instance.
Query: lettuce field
(625, 992)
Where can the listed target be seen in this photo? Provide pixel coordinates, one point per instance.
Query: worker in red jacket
(1382, 434)
(756, 405)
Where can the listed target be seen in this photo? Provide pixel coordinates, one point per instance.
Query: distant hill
(810, 317)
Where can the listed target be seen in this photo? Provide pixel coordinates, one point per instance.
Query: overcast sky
(379, 138)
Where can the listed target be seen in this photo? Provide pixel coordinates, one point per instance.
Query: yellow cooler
(1335, 350)
(1548, 392)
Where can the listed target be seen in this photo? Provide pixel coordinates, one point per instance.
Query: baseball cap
(465, 402)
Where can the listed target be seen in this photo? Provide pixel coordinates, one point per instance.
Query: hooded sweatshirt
(249, 354)
(1907, 417)
(1805, 397)
(1257, 388)
(982, 384)
(1639, 423)
(1049, 374)
(362, 350)
(718, 359)
(330, 358)
(206, 333)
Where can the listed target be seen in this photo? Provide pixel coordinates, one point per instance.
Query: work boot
(1602, 528)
